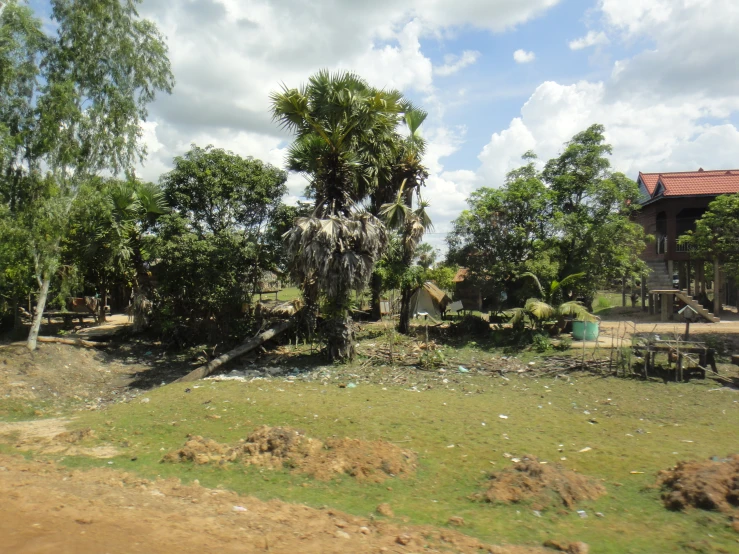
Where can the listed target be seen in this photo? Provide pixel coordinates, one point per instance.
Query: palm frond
(567, 281)
(536, 280)
(577, 310)
(539, 309)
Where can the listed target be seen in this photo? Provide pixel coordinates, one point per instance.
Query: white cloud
(452, 63)
(591, 39)
(522, 56)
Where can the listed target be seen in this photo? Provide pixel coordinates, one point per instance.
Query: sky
(498, 78)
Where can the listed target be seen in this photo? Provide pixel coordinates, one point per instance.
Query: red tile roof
(650, 179)
(692, 183)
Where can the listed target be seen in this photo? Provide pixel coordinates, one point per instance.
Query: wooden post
(666, 306)
(671, 270)
(716, 288)
(644, 293)
(651, 304)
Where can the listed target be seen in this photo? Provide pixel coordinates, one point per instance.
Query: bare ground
(48, 509)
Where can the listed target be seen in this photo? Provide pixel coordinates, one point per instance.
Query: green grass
(543, 414)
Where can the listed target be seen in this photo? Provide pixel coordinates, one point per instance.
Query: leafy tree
(212, 252)
(345, 143)
(505, 232)
(443, 275)
(591, 208)
(72, 103)
(716, 234)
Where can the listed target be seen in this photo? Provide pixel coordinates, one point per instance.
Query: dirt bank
(47, 509)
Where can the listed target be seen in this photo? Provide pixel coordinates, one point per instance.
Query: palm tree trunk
(404, 324)
(339, 332)
(141, 288)
(38, 316)
(376, 313)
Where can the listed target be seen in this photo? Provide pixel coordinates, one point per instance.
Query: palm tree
(345, 142)
(407, 173)
(412, 224)
(134, 208)
(549, 307)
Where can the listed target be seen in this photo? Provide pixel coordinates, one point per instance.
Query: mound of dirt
(710, 485)
(541, 484)
(276, 447)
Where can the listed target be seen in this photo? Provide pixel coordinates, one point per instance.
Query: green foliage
(212, 252)
(202, 283)
(71, 104)
(563, 345)
(716, 234)
(572, 218)
(425, 255)
(443, 276)
(541, 342)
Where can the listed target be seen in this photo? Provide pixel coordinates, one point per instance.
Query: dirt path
(47, 509)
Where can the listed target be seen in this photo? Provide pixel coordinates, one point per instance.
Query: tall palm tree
(134, 208)
(411, 224)
(345, 142)
(407, 173)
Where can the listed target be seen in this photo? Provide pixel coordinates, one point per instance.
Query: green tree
(72, 103)
(212, 252)
(716, 234)
(505, 232)
(345, 143)
(591, 206)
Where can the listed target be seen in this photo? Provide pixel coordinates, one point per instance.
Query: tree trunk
(251, 344)
(141, 303)
(339, 333)
(103, 302)
(404, 324)
(38, 316)
(376, 312)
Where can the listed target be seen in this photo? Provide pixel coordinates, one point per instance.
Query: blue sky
(661, 75)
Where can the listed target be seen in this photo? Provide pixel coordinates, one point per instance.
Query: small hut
(465, 291)
(429, 299)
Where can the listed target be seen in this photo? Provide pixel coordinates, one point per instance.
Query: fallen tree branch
(246, 346)
(73, 342)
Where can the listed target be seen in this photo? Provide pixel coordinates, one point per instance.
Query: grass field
(459, 437)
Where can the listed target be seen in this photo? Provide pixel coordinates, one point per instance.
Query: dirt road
(48, 509)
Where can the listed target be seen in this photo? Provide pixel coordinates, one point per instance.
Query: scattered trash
(450, 446)
(586, 412)
(187, 390)
(582, 514)
(636, 472)
(599, 514)
(537, 513)
(145, 400)
(506, 455)
(239, 509)
(501, 416)
(351, 386)
(463, 369)
(586, 449)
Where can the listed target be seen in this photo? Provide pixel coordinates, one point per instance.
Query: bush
(564, 344)
(541, 343)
